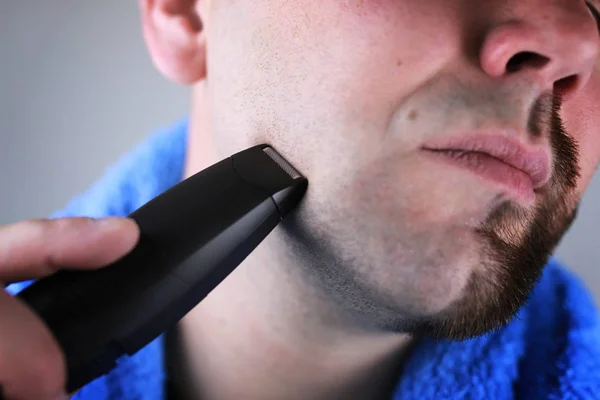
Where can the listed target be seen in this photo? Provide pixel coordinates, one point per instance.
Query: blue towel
(551, 350)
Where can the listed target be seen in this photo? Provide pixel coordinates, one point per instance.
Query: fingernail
(110, 223)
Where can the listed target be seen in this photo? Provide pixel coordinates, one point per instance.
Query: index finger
(36, 248)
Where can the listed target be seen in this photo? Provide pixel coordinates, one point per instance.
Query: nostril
(524, 59)
(565, 85)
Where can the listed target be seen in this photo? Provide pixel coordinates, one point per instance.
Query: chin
(447, 258)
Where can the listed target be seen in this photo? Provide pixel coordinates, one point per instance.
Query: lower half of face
(399, 238)
(407, 243)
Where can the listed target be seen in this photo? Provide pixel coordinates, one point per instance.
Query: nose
(557, 48)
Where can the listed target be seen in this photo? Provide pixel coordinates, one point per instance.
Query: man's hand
(32, 366)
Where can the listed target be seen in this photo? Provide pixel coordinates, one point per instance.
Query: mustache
(542, 113)
(565, 149)
(544, 116)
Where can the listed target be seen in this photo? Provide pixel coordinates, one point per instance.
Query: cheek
(582, 121)
(349, 56)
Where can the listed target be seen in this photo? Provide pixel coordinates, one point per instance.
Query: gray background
(77, 89)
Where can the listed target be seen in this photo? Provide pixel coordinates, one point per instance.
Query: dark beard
(513, 261)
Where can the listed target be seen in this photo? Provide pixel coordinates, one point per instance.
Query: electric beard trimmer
(192, 237)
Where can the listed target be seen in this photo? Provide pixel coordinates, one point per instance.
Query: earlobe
(173, 30)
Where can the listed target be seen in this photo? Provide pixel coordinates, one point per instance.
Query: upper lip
(535, 162)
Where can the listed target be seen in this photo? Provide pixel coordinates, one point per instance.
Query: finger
(36, 248)
(32, 365)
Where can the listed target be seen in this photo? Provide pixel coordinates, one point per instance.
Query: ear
(174, 34)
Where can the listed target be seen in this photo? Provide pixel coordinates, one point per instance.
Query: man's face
(394, 110)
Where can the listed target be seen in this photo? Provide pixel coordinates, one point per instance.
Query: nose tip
(559, 57)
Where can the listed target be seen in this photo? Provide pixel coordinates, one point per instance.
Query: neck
(267, 333)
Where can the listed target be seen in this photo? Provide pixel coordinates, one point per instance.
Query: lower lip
(511, 180)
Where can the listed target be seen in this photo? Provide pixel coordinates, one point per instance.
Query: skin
(388, 244)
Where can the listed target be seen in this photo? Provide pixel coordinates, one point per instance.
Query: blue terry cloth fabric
(551, 350)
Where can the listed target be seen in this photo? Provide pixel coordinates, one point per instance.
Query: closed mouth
(499, 160)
